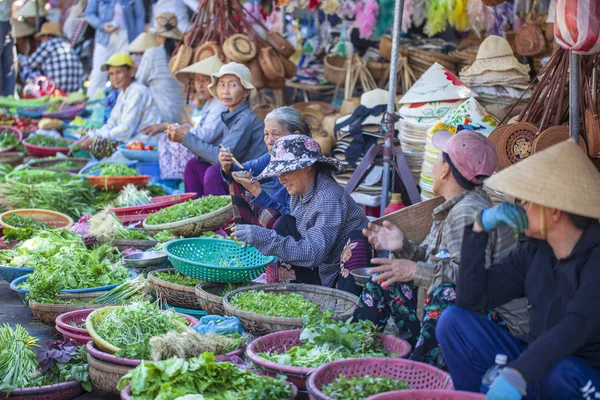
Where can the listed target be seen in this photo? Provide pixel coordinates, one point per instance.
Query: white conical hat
(437, 84)
(28, 9)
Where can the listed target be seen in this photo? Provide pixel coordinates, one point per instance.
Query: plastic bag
(577, 25)
(219, 325)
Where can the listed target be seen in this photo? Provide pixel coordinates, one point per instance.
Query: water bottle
(492, 373)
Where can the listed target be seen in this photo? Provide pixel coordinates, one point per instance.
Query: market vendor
(134, 109)
(466, 159)
(242, 136)
(309, 241)
(251, 204)
(557, 270)
(173, 156)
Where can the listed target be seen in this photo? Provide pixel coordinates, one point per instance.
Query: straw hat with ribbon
(50, 29)
(165, 25)
(560, 177)
(208, 67)
(143, 42)
(22, 28)
(233, 68)
(370, 112)
(27, 10)
(495, 54)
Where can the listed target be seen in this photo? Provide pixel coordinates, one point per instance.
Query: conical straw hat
(560, 177)
(437, 84)
(28, 9)
(143, 42)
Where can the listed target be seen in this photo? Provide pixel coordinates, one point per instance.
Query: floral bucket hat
(296, 152)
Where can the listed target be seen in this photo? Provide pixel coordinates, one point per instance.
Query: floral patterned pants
(399, 301)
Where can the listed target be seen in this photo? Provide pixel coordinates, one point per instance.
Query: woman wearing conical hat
(557, 269)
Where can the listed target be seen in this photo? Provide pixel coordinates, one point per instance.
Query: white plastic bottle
(493, 372)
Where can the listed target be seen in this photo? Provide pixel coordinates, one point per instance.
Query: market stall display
(173, 287)
(209, 295)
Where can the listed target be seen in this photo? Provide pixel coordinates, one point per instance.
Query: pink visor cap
(471, 153)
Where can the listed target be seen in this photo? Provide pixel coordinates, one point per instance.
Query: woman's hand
(110, 28)
(393, 271)
(155, 129)
(248, 182)
(84, 143)
(176, 132)
(387, 237)
(226, 160)
(243, 233)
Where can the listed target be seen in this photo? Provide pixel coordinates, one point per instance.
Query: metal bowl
(361, 276)
(146, 259)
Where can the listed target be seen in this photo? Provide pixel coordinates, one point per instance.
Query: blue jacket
(99, 12)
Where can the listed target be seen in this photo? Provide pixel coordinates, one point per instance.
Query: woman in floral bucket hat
(309, 242)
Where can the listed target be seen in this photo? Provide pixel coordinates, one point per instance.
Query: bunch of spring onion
(132, 290)
(131, 196)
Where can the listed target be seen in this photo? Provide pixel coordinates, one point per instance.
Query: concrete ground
(13, 312)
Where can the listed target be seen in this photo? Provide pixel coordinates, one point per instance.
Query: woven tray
(282, 341)
(175, 295)
(516, 144)
(52, 218)
(13, 158)
(418, 375)
(195, 226)
(47, 313)
(60, 391)
(123, 244)
(207, 296)
(105, 375)
(342, 305)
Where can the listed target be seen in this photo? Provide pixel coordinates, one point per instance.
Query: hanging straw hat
(495, 54)
(560, 177)
(237, 69)
(207, 50)
(50, 29)
(165, 25)
(22, 28)
(207, 67)
(369, 99)
(239, 48)
(143, 42)
(27, 10)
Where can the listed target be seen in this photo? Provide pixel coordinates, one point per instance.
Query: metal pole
(574, 74)
(391, 107)
(37, 15)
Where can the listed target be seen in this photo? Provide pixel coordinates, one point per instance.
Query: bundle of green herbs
(24, 227)
(8, 139)
(291, 305)
(131, 196)
(17, 359)
(47, 141)
(176, 377)
(118, 170)
(325, 340)
(105, 226)
(361, 387)
(188, 209)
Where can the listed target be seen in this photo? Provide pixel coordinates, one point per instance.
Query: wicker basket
(209, 299)
(282, 341)
(335, 69)
(342, 304)
(105, 370)
(123, 244)
(13, 158)
(195, 226)
(174, 294)
(418, 375)
(427, 395)
(47, 313)
(379, 70)
(52, 218)
(61, 391)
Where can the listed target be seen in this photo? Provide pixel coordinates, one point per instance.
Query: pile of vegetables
(47, 141)
(175, 377)
(188, 209)
(139, 146)
(64, 166)
(109, 197)
(130, 328)
(176, 278)
(105, 226)
(54, 362)
(57, 191)
(361, 387)
(24, 227)
(191, 344)
(118, 170)
(131, 196)
(271, 304)
(133, 290)
(8, 139)
(326, 340)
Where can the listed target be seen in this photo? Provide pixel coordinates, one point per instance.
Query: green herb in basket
(176, 278)
(64, 166)
(47, 141)
(361, 387)
(119, 170)
(24, 222)
(188, 209)
(271, 304)
(132, 290)
(8, 139)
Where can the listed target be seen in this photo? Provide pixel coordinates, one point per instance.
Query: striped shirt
(438, 257)
(325, 216)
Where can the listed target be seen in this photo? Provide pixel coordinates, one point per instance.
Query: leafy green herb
(130, 327)
(61, 362)
(118, 170)
(132, 290)
(290, 305)
(361, 387)
(5, 169)
(188, 209)
(177, 278)
(155, 190)
(47, 141)
(105, 198)
(25, 222)
(64, 166)
(8, 139)
(175, 377)
(17, 359)
(230, 287)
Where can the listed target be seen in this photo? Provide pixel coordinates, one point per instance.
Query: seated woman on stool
(557, 270)
(466, 159)
(308, 242)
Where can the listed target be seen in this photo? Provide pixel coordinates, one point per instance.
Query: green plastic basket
(200, 258)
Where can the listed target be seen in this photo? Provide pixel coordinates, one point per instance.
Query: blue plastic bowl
(140, 155)
(84, 170)
(23, 292)
(31, 112)
(9, 274)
